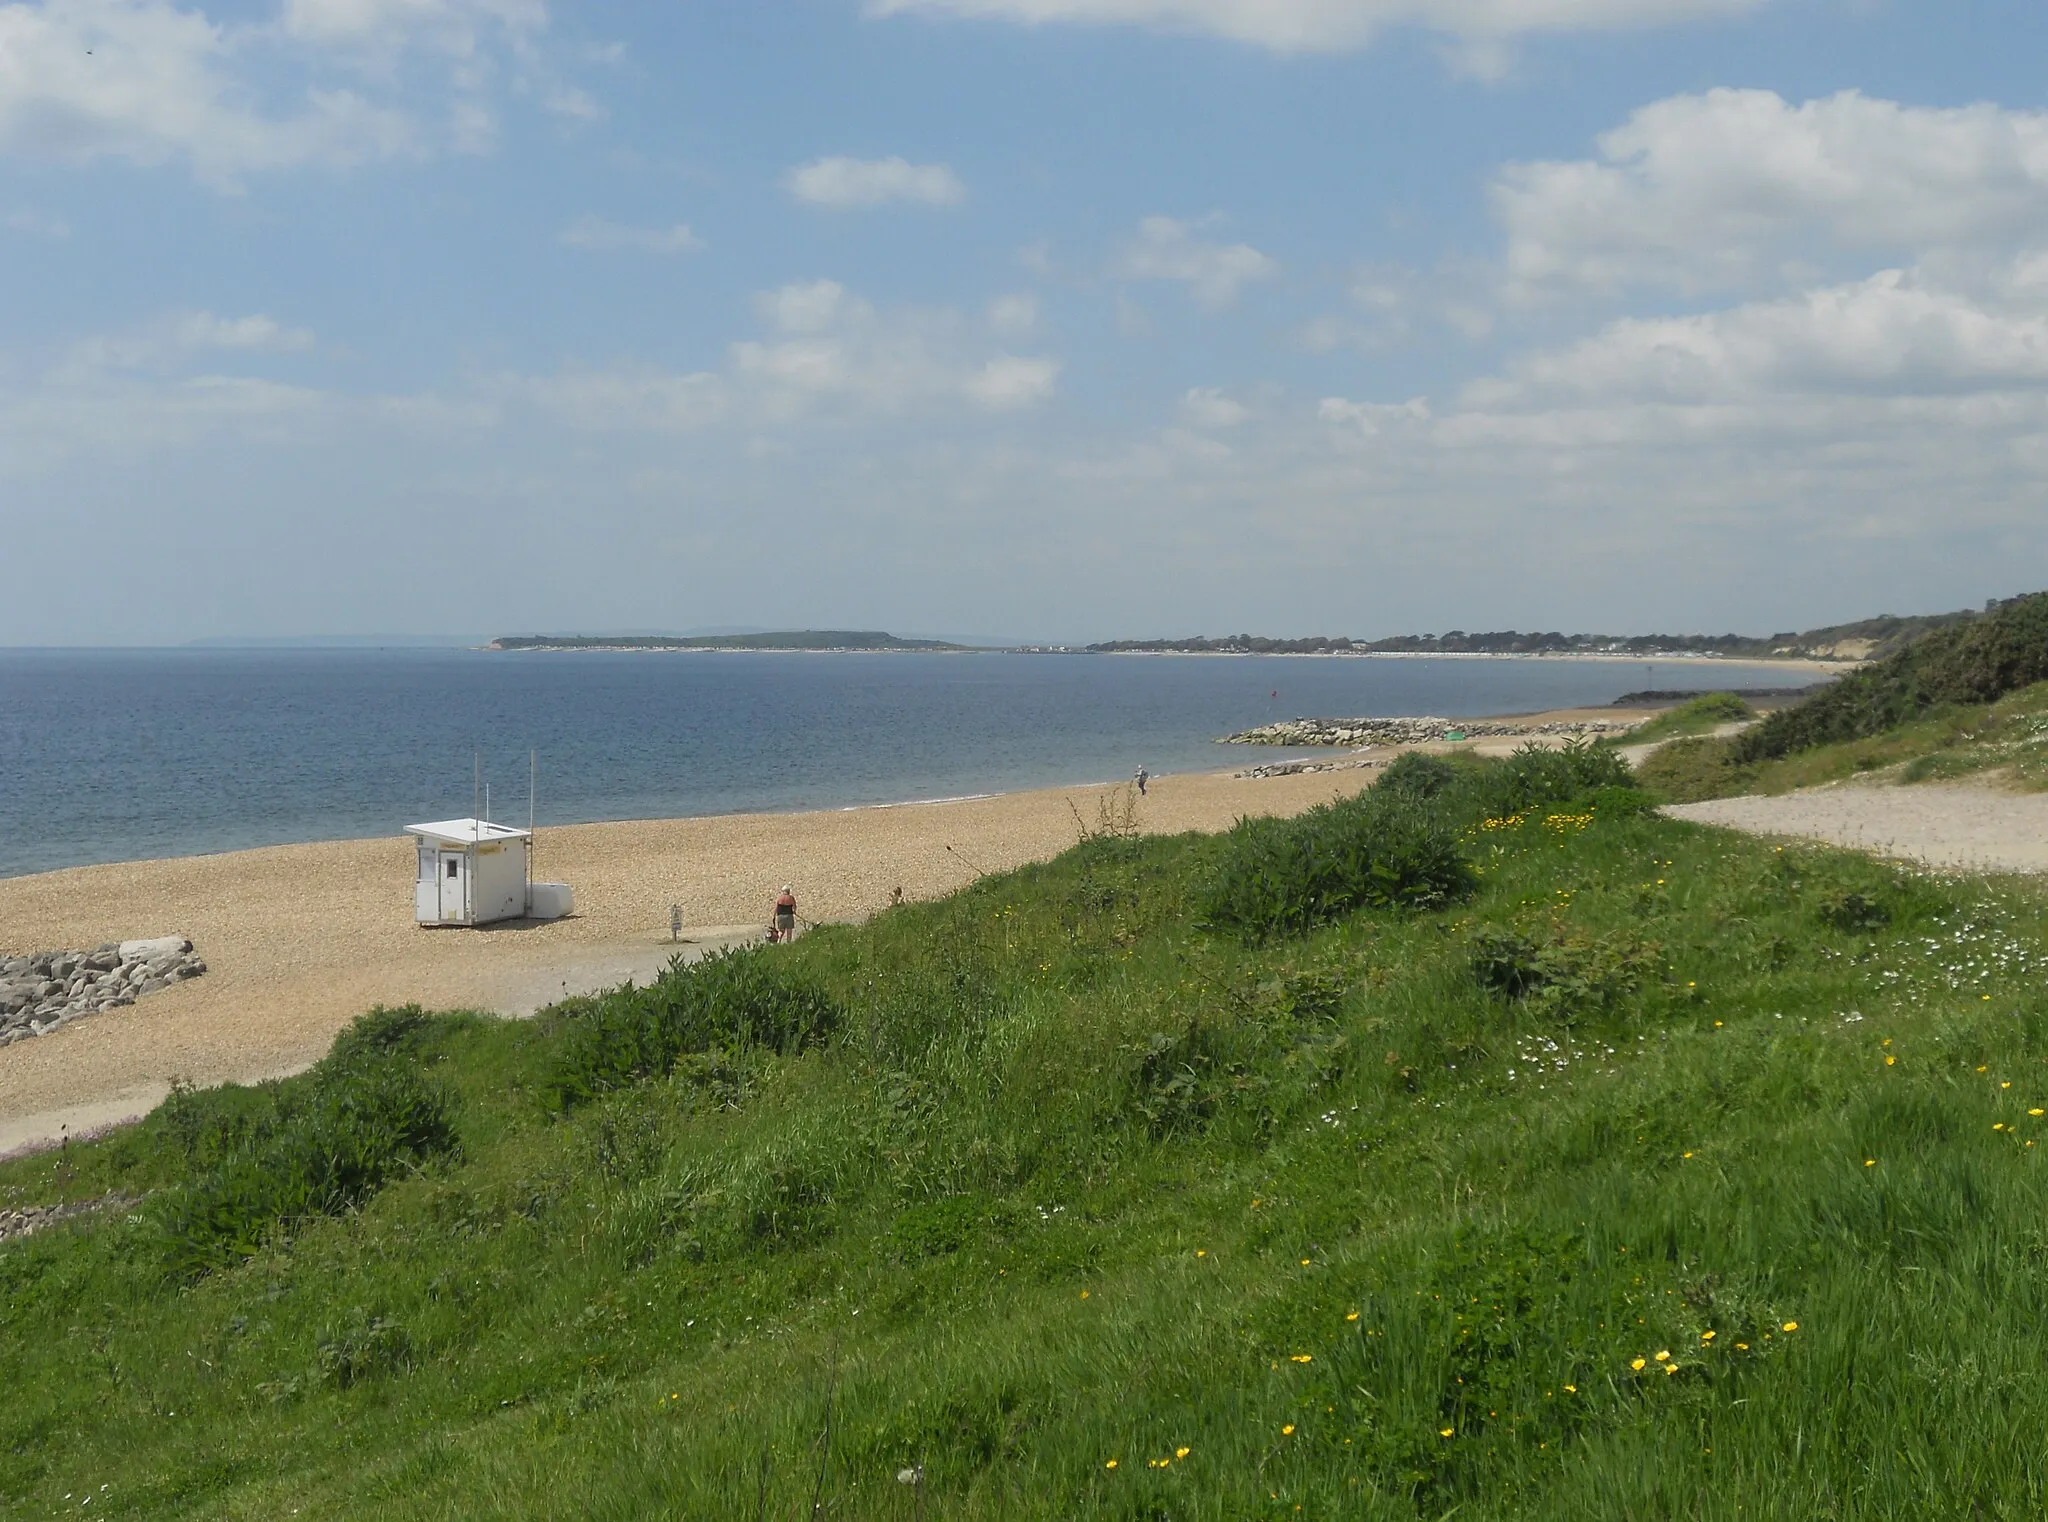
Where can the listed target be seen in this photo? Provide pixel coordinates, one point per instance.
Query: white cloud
(37, 224)
(846, 182)
(147, 83)
(1894, 333)
(1013, 315)
(323, 82)
(596, 233)
(1208, 407)
(1324, 26)
(206, 330)
(829, 355)
(1008, 382)
(1166, 249)
(1738, 186)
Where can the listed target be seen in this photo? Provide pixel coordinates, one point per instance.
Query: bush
(1975, 662)
(1564, 974)
(260, 1161)
(1690, 771)
(1536, 777)
(1417, 774)
(737, 999)
(1378, 850)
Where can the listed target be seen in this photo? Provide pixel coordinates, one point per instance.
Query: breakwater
(41, 992)
(1411, 731)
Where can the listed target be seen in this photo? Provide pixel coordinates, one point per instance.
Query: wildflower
(1891, 1061)
(2007, 1084)
(1302, 1357)
(1707, 1336)
(1352, 1317)
(1110, 1465)
(1305, 1262)
(1671, 1368)
(1998, 1125)
(1084, 1294)
(1742, 1347)
(1181, 1453)
(1446, 1432)
(1637, 1364)
(1791, 1326)
(1870, 1162)
(1980, 1070)
(2037, 1112)
(1201, 1252)
(1288, 1430)
(1663, 1354)
(1571, 1389)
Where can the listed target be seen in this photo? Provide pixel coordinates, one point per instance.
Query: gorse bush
(259, 1161)
(1975, 662)
(1378, 850)
(735, 1000)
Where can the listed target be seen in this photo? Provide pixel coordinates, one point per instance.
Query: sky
(1032, 320)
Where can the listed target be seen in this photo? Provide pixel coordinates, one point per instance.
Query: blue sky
(1046, 319)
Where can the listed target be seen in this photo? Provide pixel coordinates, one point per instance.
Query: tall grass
(1375, 1218)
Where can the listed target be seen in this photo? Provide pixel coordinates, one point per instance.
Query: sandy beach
(300, 939)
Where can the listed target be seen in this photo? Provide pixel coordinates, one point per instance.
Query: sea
(120, 755)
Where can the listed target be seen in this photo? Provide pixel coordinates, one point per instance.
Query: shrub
(1851, 911)
(260, 1161)
(1564, 974)
(737, 999)
(1690, 771)
(1536, 777)
(1975, 662)
(1417, 774)
(1285, 876)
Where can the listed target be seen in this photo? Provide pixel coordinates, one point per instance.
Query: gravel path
(1972, 827)
(299, 940)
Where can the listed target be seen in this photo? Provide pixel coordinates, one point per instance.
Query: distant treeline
(1866, 639)
(790, 639)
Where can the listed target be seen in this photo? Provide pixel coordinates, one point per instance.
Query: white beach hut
(473, 872)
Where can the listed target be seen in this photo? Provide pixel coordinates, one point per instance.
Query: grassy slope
(2009, 737)
(1077, 1183)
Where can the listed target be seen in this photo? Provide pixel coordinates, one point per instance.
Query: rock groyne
(39, 993)
(1416, 731)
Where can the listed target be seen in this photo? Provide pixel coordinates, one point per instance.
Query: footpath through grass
(1606, 1166)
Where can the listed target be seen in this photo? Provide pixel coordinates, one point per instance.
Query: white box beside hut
(473, 872)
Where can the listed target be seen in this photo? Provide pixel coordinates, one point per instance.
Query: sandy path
(1972, 827)
(300, 939)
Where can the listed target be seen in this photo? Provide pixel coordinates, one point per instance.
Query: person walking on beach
(785, 915)
(1143, 778)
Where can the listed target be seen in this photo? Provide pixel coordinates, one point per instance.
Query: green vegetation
(1695, 716)
(792, 639)
(1869, 638)
(1652, 1172)
(1973, 663)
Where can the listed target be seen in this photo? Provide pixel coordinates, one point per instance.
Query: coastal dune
(300, 939)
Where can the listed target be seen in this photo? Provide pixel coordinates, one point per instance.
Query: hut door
(454, 886)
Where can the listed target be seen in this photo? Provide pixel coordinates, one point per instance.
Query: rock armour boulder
(1416, 731)
(49, 989)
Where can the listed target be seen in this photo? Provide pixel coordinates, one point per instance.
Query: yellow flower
(1707, 1336)
(2007, 1084)
(1447, 1432)
(1110, 1465)
(2037, 1112)
(1571, 1389)
(1870, 1162)
(1305, 1262)
(1352, 1317)
(1742, 1347)
(1662, 1354)
(1302, 1357)
(1288, 1430)
(1637, 1364)
(1998, 1125)
(1980, 1070)
(1181, 1453)
(1201, 1252)
(1084, 1294)
(1891, 1062)
(1791, 1326)
(1671, 1368)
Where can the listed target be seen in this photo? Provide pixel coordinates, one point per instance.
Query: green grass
(2008, 738)
(1045, 1176)
(1695, 716)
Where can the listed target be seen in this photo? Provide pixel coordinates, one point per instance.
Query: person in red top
(785, 915)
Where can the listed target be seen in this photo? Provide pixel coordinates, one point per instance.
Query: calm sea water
(122, 755)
